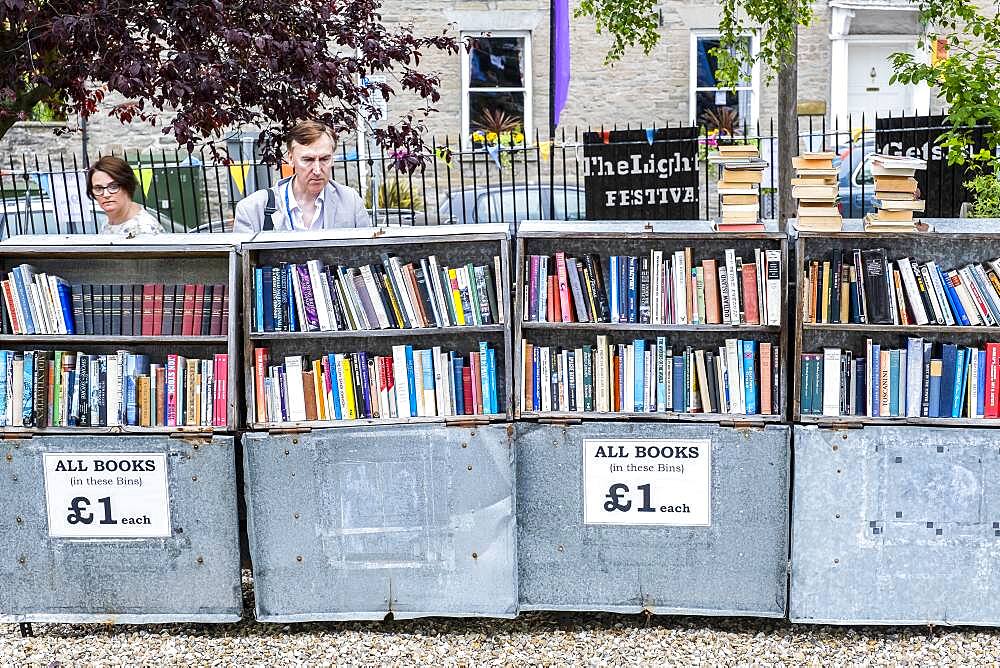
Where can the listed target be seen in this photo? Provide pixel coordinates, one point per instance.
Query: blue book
(949, 356)
(457, 363)
(411, 382)
(633, 289)
(934, 391)
(981, 383)
(679, 390)
(262, 295)
(331, 360)
(613, 292)
(661, 372)
(855, 300)
(894, 383)
(293, 324)
(366, 383)
(427, 373)
(66, 302)
(27, 389)
(639, 373)
(956, 304)
(876, 379)
(536, 390)
(749, 377)
(20, 280)
(491, 366)
(5, 357)
(484, 375)
(961, 375)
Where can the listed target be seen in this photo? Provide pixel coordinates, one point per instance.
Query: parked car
(38, 216)
(513, 204)
(856, 183)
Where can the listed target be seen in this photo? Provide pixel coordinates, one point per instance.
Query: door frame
(920, 93)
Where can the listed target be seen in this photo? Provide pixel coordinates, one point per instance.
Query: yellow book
(456, 296)
(826, 293)
(320, 387)
(392, 300)
(142, 393)
(352, 413)
(846, 278)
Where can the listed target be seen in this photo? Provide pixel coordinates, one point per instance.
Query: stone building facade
(842, 70)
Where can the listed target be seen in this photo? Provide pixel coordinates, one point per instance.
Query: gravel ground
(551, 639)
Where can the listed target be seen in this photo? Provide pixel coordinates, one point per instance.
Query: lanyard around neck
(288, 207)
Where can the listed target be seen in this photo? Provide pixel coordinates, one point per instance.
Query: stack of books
(42, 388)
(895, 194)
(354, 386)
(741, 378)
(739, 187)
(37, 303)
(925, 379)
(815, 187)
(663, 287)
(313, 297)
(865, 287)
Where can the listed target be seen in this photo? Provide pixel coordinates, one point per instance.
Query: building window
(496, 76)
(714, 107)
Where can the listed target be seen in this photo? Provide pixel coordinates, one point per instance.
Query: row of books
(739, 378)
(658, 288)
(43, 388)
(866, 287)
(313, 297)
(411, 382)
(924, 379)
(151, 309)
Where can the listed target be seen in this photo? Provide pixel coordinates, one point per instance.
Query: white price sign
(107, 495)
(647, 481)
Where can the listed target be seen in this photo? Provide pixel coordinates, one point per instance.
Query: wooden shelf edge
(113, 338)
(890, 329)
(379, 333)
(622, 326)
(16, 432)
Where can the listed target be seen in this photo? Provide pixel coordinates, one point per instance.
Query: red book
(216, 317)
(750, 294)
(992, 407)
(147, 309)
(199, 306)
(11, 310)
(477, 384)
(187, 323)
(260, 361)
(221, 390)
(158, 309)
(564, 302)
(467, 389)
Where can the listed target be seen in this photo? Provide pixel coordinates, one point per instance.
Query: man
(308, 200)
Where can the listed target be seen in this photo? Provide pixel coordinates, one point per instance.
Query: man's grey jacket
(342, 207)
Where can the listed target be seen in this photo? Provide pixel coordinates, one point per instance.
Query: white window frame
(526, 88)
(693, 88)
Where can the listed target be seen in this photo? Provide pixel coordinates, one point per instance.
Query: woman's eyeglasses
(110, 189)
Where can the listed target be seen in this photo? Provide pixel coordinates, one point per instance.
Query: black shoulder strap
(269, 210)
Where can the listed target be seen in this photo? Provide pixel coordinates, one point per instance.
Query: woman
(111, 183)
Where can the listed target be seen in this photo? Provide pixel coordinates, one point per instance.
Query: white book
(734, 365)
(648, 382)
(758, 266)
(940, 309)
(340, 281)
(543, 292)
(912, 292)
(902, 383)
(440, 393)
(914, 375)
(601, 374)
(964, 297)
(59, 320)
(38, 314)
(498, 290)
(418, 383)
(546, 381)
(734, 291)
(425, 267)
(720, 372)
(677, 274)
(578, 361)
(772, 258)
(405, 296)
(724, 302)
(656, 294)
(374, 295)
(978, 302)
(438, 295)
(988, 291)
(319, 295)
(940, 295)
(17, 395)
(831, 381)
(296, 401)
(562, 384)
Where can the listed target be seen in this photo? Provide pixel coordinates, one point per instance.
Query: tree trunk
(788, 132)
